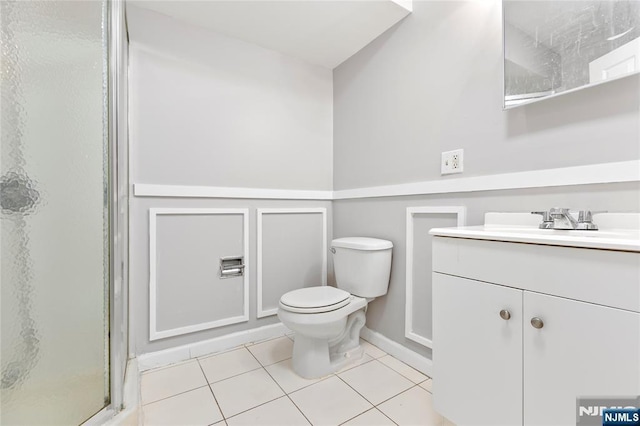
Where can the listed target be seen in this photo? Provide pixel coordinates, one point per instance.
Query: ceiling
(322, 32)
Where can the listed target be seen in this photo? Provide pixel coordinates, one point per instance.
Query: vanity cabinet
(516, 339)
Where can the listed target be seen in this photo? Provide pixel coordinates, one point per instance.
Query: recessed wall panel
(421, 292)
(292, 254)
(418, 299)
(187, 292)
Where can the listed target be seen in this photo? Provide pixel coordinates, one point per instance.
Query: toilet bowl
(327, 320)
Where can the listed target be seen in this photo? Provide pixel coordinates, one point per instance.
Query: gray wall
(433, 83)
(385, 218)
(206, 109)
(209, 110)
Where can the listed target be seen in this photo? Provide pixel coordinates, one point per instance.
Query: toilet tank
(362, 265)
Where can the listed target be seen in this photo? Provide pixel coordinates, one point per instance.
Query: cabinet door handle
(505, 315)
(537, 322)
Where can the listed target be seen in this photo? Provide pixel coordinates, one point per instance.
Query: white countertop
(618, 231)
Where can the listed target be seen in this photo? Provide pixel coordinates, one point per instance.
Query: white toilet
(327, 320)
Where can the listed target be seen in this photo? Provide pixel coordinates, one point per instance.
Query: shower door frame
(119, 198)
(118, 192)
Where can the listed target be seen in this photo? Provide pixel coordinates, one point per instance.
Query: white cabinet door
(477, 355)
(582, 349)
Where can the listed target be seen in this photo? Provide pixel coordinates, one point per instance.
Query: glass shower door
(54, 235)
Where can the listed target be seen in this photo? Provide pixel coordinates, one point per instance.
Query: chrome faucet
(561, 218)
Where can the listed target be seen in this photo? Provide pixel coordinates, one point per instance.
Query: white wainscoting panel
(262, 311)
(154, 333)
(460, 212)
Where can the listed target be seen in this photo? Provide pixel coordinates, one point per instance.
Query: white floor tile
(372, 417)
(329, 402)
(280, 412)
(228, 364)
(169, 381)
(245, 391)
(363, 360)
(427, 384)
(372, 350)
(376, 382)
(195, 407)
(413, 407)
(272, 351)
(410, 373)
(282, 372)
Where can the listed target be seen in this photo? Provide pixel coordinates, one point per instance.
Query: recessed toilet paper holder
(231, 266)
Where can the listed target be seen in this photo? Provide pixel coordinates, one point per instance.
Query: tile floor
(255, 385)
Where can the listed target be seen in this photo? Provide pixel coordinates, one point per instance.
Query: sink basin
(618, 231)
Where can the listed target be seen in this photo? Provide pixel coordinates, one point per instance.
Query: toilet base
(315, 357)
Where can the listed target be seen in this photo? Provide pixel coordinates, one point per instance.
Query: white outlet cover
(452, 162)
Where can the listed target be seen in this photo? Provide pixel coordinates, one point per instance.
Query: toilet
(327, 320)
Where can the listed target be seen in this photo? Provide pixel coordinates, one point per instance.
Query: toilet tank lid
(362, 243)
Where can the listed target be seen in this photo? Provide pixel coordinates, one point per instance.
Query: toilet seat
(313, 300)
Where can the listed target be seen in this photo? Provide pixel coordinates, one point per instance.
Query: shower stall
(63, 199)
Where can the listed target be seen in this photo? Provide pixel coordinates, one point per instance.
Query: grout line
(374, 408)
(382, 412)
(408, 366)
(322, 379)
(171, 396)
(165, 367)
(235, 375)
(356, 392)
(249, 409)
(258, 342)
(391, 397)
(400, 393)
(211, 390)
(351, 418)
(344, 370)
(285, 392)
(357, 415)
(224, 351)
(399, 373)
(424, 388)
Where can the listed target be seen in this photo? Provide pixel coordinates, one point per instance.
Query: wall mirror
(553, 47)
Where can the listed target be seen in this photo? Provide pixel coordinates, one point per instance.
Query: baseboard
(183, 353)
(395, 349)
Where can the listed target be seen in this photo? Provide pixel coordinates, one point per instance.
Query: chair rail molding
(614, 172)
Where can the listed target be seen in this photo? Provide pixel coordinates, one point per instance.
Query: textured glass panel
(54, 353)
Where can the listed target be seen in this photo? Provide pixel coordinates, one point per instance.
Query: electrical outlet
(452, 162)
